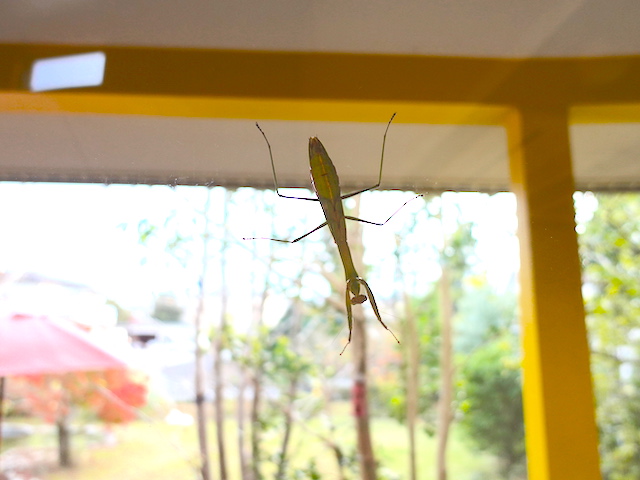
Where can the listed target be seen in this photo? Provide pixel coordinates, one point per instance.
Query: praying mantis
(326, 184)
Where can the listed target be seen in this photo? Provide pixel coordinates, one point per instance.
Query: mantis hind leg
(384, 141)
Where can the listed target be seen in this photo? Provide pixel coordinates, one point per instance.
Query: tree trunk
(294, 379)
(255, 423)
(413, 359)
(288, 426)
(411, 350)
(360, 401)
(201, 414)
(328, 440)
(242, 451)
(64, 443)
(217, 354)
(333, 446)
(219, 407)
(2, 383)
(256, 428)
(445, 415)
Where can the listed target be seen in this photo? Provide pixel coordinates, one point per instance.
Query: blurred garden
(234, 368)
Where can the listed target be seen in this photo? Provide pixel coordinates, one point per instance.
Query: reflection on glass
(71, 71)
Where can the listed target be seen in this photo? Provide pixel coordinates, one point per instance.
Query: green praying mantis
(326, 184)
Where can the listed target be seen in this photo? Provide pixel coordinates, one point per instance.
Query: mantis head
(358, 299)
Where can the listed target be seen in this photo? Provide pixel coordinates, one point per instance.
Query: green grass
(392, 447)
(162, 452)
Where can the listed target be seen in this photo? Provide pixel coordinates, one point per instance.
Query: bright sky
(76, 233)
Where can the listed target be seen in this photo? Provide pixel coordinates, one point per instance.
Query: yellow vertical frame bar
(561, 435)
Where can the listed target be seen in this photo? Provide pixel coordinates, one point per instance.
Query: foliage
(389, 396)
(490, 398)
(111, 396)
(484, 314)
(489, 383)
(299, 349)
(458, 255)
(310, 472)
(610, 244)
(123, 315)
(492, 403)
(166, 309)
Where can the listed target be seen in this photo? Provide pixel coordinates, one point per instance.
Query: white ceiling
(121, 149)
(116, 148)
(485, 28)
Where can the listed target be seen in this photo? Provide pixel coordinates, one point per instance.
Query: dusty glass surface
(156, 271)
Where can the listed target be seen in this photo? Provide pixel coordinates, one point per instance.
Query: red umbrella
(31, 345)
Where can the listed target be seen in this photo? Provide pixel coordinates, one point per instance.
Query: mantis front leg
(356, 299)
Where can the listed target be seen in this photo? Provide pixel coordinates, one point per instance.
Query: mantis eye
(358, 299)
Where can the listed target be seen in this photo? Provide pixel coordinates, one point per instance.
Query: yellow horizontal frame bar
(251, 108)
(344, 77)
(616, 113)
